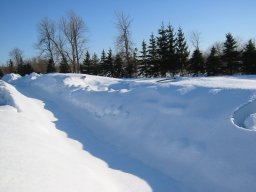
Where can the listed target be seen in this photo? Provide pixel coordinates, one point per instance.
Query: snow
(35, 156)
(182, 134)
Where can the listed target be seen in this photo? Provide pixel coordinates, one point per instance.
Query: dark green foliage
(231, 55)
(153, 70)
(11, 68)
(108, 64)
(171, 56)
(143, 62)
(64, 66)
(196, 63)
(51, 66)
(213, 63)
(1, 73)
(162, 50)
(86, 67)
(102, 70)
(182, 52)
(249, 58)
(118, 70)
(24, 69)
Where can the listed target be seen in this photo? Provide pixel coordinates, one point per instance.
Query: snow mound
(10, 77)
(181, 127)
(244, 117)
(250, 122)
(35, 156)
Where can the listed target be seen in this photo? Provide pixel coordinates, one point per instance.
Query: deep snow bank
(35, 156)
(181, 127)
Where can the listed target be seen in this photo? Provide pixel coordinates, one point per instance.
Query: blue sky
(213, 19)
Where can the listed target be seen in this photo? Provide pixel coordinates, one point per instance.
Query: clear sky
(212, 18)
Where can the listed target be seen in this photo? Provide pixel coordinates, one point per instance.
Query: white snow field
(183, 134)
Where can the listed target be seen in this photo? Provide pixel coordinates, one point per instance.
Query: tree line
(63, 49)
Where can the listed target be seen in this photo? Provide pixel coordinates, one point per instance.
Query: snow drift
(188, 129)
(35, 156)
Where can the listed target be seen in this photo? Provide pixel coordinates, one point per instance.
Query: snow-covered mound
(35, 156)
(187, 129)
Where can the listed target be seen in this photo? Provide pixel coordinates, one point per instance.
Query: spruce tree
(213, 63)
(50, 67)
(64, 66)
(95, 65)
(86, 67)
(118, 70)
(196, 63)
(108, 66)
(249, 58)
(162, 50)
(11, 68)
(102, 70)
(182, 52)
(171, 56)
(153, 70)
(143, 62)
(231, 55)
(1, 73)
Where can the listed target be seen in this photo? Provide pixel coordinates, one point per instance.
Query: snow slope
(35, 156)
(196, 134)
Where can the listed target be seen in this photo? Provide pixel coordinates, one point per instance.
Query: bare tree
(49, 42)
(195, 37)
(17, 55)
(123, 42)
(73, 28)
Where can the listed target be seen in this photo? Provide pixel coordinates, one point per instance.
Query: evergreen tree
(20, 67)
(64, 66)
(213, 63)
(11, 68)
(162, 50)
(50, 67)
(118, 70)
(95, 65)
(153, 70)
(182, 52)
(143, 62)
(102, 63)
(1, 73)
(86, 67)
(196, 63)
(231, 55)
(171, 56)
(108, 67)
(249, 58)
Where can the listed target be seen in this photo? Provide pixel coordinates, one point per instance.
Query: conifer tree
(64, 66)
(1, 73)
(231, 55)
(162, 50)
(143, 62)
(11, 67)
(86, 67)
(108, 67)
(153, 70)
(95, 65)
(182, 52)
(102, 63)
(51, 67)
(118, 71)
(249, 58)
(213, 63)
(196, 63)
(171, 56)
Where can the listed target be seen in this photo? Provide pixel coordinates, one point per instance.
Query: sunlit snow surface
(182, 134)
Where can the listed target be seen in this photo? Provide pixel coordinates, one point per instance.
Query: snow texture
(183, 134)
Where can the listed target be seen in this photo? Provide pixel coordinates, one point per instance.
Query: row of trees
(63, 46)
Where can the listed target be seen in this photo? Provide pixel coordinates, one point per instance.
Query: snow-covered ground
(184, 134)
